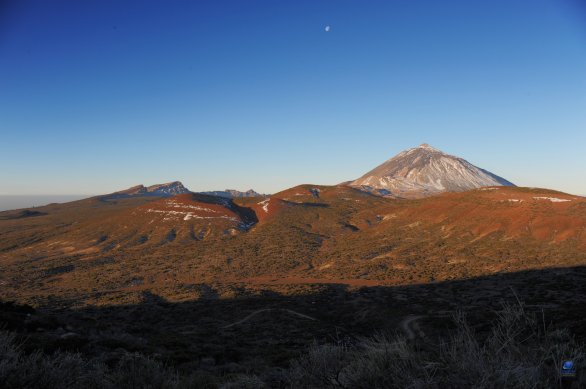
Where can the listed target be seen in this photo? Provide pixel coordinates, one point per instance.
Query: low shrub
(519, 351)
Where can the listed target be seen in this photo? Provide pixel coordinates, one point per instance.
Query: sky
(98, 96)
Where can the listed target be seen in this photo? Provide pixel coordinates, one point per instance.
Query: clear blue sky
(96, 96)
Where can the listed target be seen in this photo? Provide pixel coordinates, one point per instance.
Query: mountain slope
(163, 190)
(424, 171)
(306, 234)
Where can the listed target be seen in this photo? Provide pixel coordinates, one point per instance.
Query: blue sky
(96, 96)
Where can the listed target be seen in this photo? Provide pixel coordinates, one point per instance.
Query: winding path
(267, 310)
(410, 327)
(408, 324)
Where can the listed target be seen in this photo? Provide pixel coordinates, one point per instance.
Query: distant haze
(8, 202)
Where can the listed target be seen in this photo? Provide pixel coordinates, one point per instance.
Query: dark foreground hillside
(505, 330)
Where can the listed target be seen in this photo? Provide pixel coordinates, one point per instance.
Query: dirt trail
(267, 310)
(411, 328)
(408, 324)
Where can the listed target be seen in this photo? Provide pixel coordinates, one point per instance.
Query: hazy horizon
(18, 201)
(10, 202)
(99, 96)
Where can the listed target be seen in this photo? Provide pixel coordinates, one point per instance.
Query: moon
(328, 28)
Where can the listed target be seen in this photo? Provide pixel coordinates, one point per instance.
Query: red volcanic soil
(269, 207)
(306, 196)
(189, 206)
(337, 235)
(314, 193)
(504, 213)
(515, 212)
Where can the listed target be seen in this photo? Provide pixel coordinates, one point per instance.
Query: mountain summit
(424, 170)
(165, 190)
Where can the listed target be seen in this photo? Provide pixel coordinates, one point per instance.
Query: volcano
(423, 171)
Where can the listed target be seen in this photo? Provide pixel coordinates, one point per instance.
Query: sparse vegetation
(520, 351)
(111, 289)
(80, 249)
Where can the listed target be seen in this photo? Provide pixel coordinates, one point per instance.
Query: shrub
(245, 382)
(37, 370)
(519, 352)
(136, 371)
(322, 366)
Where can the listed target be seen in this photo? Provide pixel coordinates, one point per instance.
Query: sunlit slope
(307, 233)
(101, 225)
(463, 234)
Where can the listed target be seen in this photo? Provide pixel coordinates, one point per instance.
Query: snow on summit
(423, 171)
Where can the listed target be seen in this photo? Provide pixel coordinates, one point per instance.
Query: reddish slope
(179, 219)
(269, 207)
(336, 234)
(514, 212)
(187, 207)
(182, 219)
(304, 197)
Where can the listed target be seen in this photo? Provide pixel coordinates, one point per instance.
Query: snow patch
(170, 215)
(552, 199)
(174, 204)
(265, 205)
(427, 170)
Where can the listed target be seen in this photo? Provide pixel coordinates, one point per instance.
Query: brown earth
(105, 251)
(227, 286)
